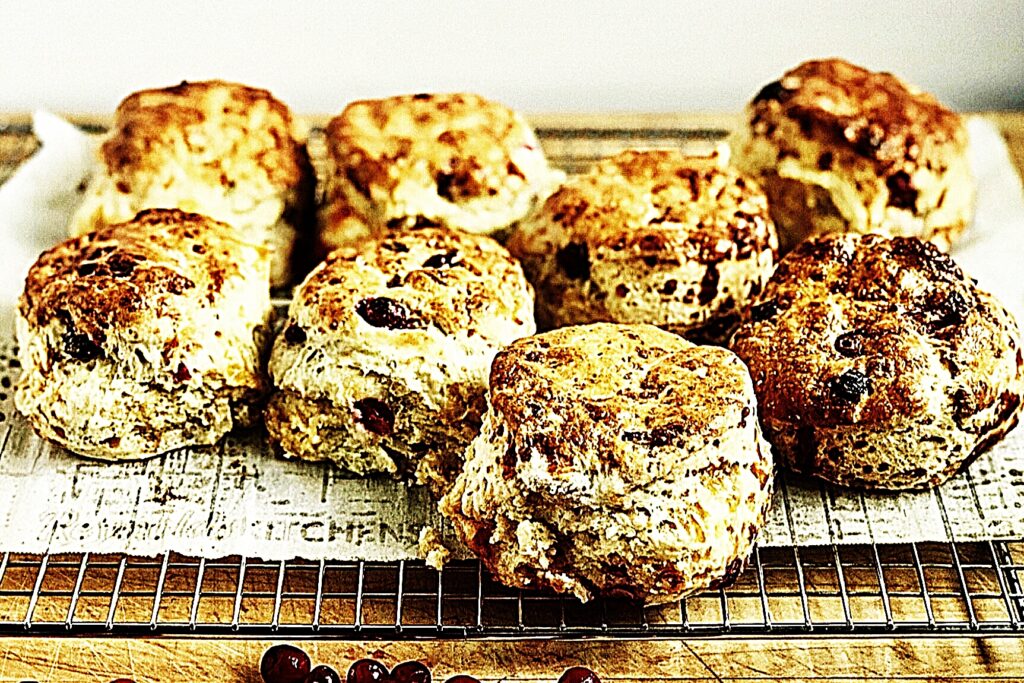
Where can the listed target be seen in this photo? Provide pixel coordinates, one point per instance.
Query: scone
(650, 237)
(615, 460)
(382, 362)
(839, 148)
(144, 337)
(224, 150)
(455, 160)
(879, 364)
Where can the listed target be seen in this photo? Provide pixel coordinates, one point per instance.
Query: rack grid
(950, 588)
(934, 588)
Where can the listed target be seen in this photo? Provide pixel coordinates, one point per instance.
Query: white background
(537, 56)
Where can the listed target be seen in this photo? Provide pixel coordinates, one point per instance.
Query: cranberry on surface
(284, 664)
(323, 674)
(579, 674)
(410, 672)
(367, 671)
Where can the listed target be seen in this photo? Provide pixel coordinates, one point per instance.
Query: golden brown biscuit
(382, 363)
(839, 148)
(649, 237)
(879, 364)
(143, 337)
(615, 460)
(455, 160)
(224, 150)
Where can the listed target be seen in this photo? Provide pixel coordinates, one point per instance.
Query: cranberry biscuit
(649, 237)
(456, 160)
(615, 460)
(879, 364)
(224, 150)
(143, 337)
(382, 362)
(839, 148)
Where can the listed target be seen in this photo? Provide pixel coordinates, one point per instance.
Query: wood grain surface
(162, 660)
(33, 658)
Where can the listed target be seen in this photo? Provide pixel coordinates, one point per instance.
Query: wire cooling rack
(906, 589)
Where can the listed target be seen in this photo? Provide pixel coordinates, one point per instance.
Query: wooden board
(167, 660)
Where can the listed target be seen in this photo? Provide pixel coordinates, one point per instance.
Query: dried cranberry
(121, 264)
(87, 268)
(448, 258)
(772, 91)
(446, 184)
(579, 674)
(392, 245)
(323, 674)
(284, 664)
(293, 334)
(765, 310)
(867, 140)
(81, 347)
(708, 285)
(383, 312)
(850, 386)
(574, 260)
(181, 374)
(367, 671)
(375, 416)
(902, 193)
(410, 672)
(850, 345)
(462, 678)
(951, 309)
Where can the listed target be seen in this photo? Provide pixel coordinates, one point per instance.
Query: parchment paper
(240, 499)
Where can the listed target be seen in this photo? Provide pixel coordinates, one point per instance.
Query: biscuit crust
(143, 337)
(839, 148)
(879, 364)
(615, 460)
(455, 160)
(386, 349)
(224, 150)
(650, 237)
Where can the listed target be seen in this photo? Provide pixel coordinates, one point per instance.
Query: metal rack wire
(907, 589)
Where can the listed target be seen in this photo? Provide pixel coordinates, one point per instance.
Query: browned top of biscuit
(611, 390)
(465, 139)
(415, 279)
(874, 114)
(644, 203)
(869, 330)
(231, 129)
(151, 267)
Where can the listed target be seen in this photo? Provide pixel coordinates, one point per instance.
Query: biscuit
(382, 362)
(455, 160)
(224, 150)
(879, 364)
(144, 337)
(649, 237)
(615, 460)
(839, 148)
